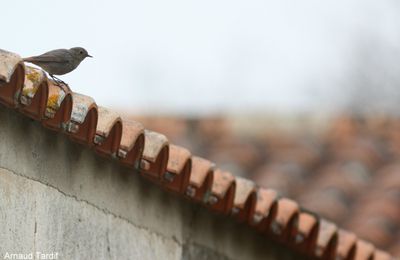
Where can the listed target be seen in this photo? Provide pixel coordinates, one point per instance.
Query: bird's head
(80, 53)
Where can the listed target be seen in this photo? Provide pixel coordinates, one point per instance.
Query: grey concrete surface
(58, 196)
(38, 218)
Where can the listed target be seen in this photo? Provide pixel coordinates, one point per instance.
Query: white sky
(203, 56)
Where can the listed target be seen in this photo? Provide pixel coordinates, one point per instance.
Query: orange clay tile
(284, 226)
(222, 192)
(265, 210)
(34, 93)
(82, 127)
(176, 177)
(346, 247)
(364, 251)
(108, 132)
(8, 64)
(326, 241)
(58, 107)
(201, 178)
(245, 199)
(12, 74)
(132, 143)
(307, 232)
(155, 155)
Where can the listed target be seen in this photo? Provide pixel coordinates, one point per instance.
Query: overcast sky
(205, 56)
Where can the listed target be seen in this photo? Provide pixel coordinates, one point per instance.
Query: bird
(60, 61)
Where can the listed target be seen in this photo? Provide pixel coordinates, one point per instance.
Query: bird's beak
(90, 56)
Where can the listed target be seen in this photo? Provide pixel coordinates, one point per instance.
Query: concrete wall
(60, 197)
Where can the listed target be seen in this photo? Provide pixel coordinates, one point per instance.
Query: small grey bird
(60, 61)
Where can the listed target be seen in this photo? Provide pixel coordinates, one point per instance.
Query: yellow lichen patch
(34, 76)
(52, 102)
(30, 92)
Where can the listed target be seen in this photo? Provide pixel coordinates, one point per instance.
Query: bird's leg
(57, 80)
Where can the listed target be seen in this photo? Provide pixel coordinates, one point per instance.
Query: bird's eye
(81, 52)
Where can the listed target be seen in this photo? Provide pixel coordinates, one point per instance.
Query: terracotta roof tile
(347, 243)
(176, 177)
(174, 168)
(132, 143)
(84, 115)
(365, 250)
(108, 132)
(34, 93)
(285, 224)
(58, 108)
(307, 232)
(222, 191)
(201, 178)
(245, 199)
(8, 64)
(155, 155)
(12, 74)
(266, 209)
(327, 240)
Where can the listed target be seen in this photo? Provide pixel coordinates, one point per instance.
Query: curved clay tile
(265, 210)
(58, 107)
(34, 93)
(346, 247)
(8, 64)
(108, 132)
(365, 250)
(155, 155)
(201, 178)
(11, 78)
(222, 192)
(284, 225)
(132, 143)
(176, 177)
(327, 240)
(307, 232)
(82, 127)
(245, 199)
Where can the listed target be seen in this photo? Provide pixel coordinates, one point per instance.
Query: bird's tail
(28, 59)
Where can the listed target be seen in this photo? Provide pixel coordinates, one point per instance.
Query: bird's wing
(57, 56)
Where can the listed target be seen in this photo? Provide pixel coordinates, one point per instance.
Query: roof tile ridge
(173, 167)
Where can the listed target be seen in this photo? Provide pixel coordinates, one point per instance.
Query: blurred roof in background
(347, 169)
